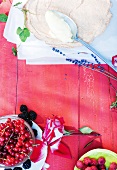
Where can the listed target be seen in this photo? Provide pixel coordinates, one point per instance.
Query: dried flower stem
(9, 140)
(107, 74)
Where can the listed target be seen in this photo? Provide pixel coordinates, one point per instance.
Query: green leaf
(3, 18)
(23, 33)
(114, 105)
(67, 133)
(22, 36)
(17, 4)
(19, 30)
(86, 130)
(14, 51)
(26, 32)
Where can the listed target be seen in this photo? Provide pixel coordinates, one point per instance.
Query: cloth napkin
(35, 51)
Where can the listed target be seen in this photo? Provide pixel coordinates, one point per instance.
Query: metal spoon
(74, 30)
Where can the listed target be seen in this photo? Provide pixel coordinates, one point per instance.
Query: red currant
(2, 138)
(15, 142)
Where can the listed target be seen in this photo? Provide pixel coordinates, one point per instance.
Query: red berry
(7, 147)
(80, 164)
(94, 161)
(6, 163)
(94, 168)
(1, 139)
(15, 142)
(17, 130)
(17, 155)
(1, 161)
(16, 149)
(8, 120)
(22, 132)
(13, 153)
(101, 161)
(22, 137)
(88, 168)
(11, 146)
(7, 133)
(31, 141)
(19, 149)
(16, 161)
(24, 150)
(10, 150)
(22, 156)
(19, 143)
(22, 121)
(113, 166)
(102, 167)
(12, 159)
(1, 143)
(2, 125)
(18, 122)
(27, 135)
(11, 141)
(30, 148)
(87, 161)
(10, 125)
(27, 144)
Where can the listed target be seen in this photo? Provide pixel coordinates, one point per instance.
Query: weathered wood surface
(81, 96)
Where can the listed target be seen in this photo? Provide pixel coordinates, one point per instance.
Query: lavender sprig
(87, 64)
(91, 66)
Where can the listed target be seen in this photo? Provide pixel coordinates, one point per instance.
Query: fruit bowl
(16, 141)
(96, 153)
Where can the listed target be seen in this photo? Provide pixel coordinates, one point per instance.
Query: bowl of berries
(16, 141)
(97, 159)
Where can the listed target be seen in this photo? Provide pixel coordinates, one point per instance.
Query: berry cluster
(93, 164)
(16, 142)
(28, 116)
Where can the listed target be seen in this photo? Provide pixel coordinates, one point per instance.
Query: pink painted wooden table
(80, 95)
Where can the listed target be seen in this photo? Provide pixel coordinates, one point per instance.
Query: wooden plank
(8, 75)
(95, 107)
(51, 90)
(113, 112)
(81, 96)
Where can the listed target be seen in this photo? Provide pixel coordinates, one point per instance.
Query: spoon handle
(97, 53)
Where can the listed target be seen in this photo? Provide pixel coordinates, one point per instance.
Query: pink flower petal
(39, 151)
(63, 151)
